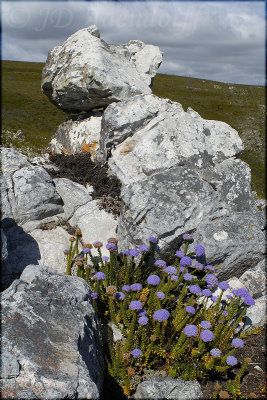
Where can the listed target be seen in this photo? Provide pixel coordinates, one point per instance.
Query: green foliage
(161, 341)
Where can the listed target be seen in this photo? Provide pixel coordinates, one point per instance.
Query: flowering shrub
(168, 315)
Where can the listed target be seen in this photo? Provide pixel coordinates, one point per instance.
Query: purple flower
(229, 296)
(195, 289)
(170, 270)
(206, 335)
(97, 244)
(142, 312)
(205, 324)
(174, 278)
(179, 253)
(136, 353)
(160, 263)
(220, 321)
(181, 269)
(231, 360)
(66, 251)
(215, 352)
(153, 239)
(94, 295)
(206, 293)
(190, 310)
(185, 261)
(209, 268)
(199, 266)
(120, 296)
(225, 313)
(191, 330)
(136, 286)
(135, 305)
(153, 280)
(126, 253)
(237, 343)
(105, 258)
(111, 246)
(160, 295)
(187, 236)
(224, 285)
(199, 250)
(214, 299)
(99, 275)
(242, 292)
(133, 252)
(161, 315)
(188, 277)
(86, 250)
(126, 288)
(143, 248)
(211, 280)
(143, 320)
(249, 301)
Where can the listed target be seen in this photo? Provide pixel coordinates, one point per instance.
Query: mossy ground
(243, 107)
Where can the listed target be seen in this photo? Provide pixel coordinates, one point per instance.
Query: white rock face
(152, 135)
(85, 72)
(78, 135)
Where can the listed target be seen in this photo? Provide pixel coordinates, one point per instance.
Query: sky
(217, 40)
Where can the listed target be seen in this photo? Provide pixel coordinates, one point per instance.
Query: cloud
(210, 40)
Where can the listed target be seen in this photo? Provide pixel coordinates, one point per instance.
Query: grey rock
(85, 72)
(147, 135)
(255, 279)
(50, 330)
(256, 315)
(73, 195)
(78, 134)
(167, 388)
(4, 251)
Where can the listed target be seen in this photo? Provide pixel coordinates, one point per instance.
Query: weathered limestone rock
(78, 135)
(256, 315)
(254, 279)
(167, 388)
(152, 135)
(85, 72)
(28, 192)
(50, 337)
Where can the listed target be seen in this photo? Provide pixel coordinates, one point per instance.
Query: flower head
(211, 280)
(98, 244)
(225, 313)
(135, 305)
(153, 280)
(241, 292)
(126, 253)
(187, 236)
(179, 253)
(205, 324)
(136, 353)
(143, 320)
(161, 315)
(237, 343)
(214, 299)
(231, 360)
(170, 270)
(153, 239)
(191, 330)
(133, 252)
(249, 301)
(66, 251)
(143, 248)
(126, 288)
(86, 250)
(185, 261)
(223, 285)
(112, 240)
(206, 335)
(195, 289)
(188, 277)
(190, 310)
(105, 258)
(99, 275)
(111, 246)
(160, 295)
(199, 250)
(215, 352)
(136, 286)
(209, 268)
(174, 278)
(120, 296)
(160, 263)
(94, 295)
(142, 312)
(199, 267)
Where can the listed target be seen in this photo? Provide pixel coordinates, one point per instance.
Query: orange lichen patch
(89, 148)
(127, 148)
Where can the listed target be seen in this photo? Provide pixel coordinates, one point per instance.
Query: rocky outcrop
(85, 72)
(50, 340)
(167, 388)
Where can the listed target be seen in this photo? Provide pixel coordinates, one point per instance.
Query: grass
(243, 107)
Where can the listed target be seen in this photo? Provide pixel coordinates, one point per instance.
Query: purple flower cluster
(111, 246)
(105, 258)
(161, 315)
(136, 286)
(206, 293)
(191, 330)
(170, 270)
(99, 275)
(215, 352)
(153, 280)
(143, 320)
(174, 278)
(199, 266)
(187, 236)
(135, 305)
(160, 263)
(185, 261)
(142, 312)
(94, 295)
(195, 289)
(136, 353)
(179, 253)
(190, 310)
(153, 239)
(206, 335)
(188, 277)
(205, 324)
(199, 250)
(160, 295)
(126, 288)
(86, 250)
(211, 280)
(209, 268)
(247, 298)
(120, 296)
(237, 343)
(231, 360)
(224, 285)
(133, 252)
(143, 248)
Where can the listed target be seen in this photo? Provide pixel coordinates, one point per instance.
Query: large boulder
(50, 338)
(85, 72)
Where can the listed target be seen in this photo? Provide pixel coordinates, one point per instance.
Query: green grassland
(243, 107)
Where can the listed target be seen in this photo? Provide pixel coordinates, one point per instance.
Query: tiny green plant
(167, 314)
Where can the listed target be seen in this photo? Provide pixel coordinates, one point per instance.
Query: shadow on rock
(22, 250)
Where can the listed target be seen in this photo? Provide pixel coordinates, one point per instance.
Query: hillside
(243, 107)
